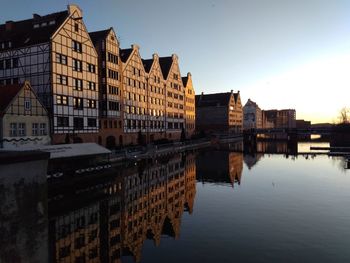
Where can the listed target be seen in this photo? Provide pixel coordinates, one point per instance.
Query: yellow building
(24, 121)
(135, 104)
(156, 99)
(110, 87)
(190, 105)
(175, 93)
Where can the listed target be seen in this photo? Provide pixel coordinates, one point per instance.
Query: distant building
(190, 108)
(279, 118)
(302, 124)
(219, 112)
(252, 115)
(24, 121)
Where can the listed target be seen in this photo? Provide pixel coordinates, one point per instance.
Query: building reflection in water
(113, 218)
(220, 167)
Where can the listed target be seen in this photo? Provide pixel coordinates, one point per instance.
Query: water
(210, 206)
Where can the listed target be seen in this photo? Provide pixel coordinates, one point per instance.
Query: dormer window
(52, 22)
(36, 26)
(44, 24)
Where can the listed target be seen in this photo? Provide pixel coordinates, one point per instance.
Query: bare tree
(344, 115)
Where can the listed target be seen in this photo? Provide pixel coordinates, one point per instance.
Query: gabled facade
(252, 115)
(135, 104)
(219, 112)
(24, 121)
(156, 98)
(190, 105)
(110, 87)
(175, 92)
(55, 53)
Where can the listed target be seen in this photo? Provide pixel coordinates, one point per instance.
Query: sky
(279, 53)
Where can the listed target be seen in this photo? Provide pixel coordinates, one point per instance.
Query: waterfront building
(252, 115)
(303, 124)
(54, 52)
(155, 99)
(175, 94)
(135, 104)
(279, 118)
(190, 107)
(219, 112)
(24, 121)
(110, 87)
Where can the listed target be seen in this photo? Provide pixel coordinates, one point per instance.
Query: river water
(215, 205)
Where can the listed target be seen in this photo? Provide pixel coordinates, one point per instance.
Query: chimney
(9, 25)
(231, 91)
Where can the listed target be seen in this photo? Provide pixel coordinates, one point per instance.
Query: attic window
(10, 44)
(44, 24)
(112, 37)
(36, 26)
(76, 27)
(52, 22)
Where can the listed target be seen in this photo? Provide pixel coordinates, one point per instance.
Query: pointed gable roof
(125, 54)
(165, 65)
(24, 33)
(216, 99)
(147, 64)
(98, 35)
(7, 94)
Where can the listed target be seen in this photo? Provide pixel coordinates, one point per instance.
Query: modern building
(219, 112)
(55, 53)
(24, 121)
(252, 116)
(279, 118)
(190, 105)
(110, 87)
(175, 94)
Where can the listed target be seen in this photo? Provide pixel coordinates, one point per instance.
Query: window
(76, 27)
(91, 68)
(7, 63)
(77, 65)
(113, 90)
(1, 64)
(13, 129)
(43, 130)
(76, 46)
(113, 105)
(61, 100)
(62, 121)
(21, 129)
(62, 59)
(91, 85)
(35, 129)
(92, 122)
(92, 104)
(78, 123)
(61, 79)
(27, 105)
(78, 103)
(15, 62)
(78, 84)
(112, 58)
(113, 74)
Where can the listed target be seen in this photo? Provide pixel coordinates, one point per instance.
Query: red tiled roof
(7, 94)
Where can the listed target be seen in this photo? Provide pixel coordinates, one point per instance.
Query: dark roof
(235, 96)
(7, 94)
(98, 35)
(184, 81)
(165, 65)
(216, 99)
(22, 33)
(147, 64)
(125, 54)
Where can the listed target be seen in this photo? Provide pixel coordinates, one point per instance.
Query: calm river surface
(214, 205)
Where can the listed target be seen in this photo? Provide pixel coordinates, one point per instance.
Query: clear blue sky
(279, 53)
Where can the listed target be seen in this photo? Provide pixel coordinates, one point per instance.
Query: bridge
(301, 131)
